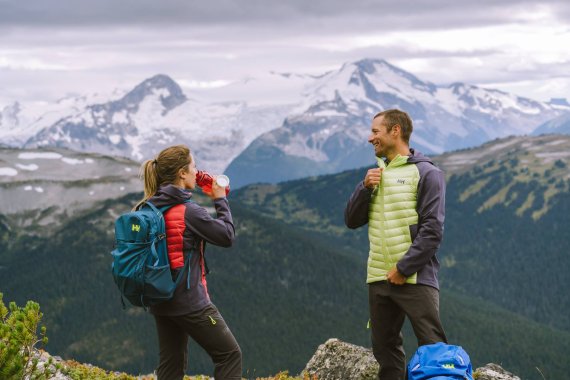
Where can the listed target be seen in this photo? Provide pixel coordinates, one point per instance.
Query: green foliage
(285, 376)
(18, 340)
(78, 371)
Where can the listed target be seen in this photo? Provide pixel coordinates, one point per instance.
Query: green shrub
(18, 340)
(78, 371)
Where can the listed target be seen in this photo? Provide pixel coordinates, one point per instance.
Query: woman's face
(189, 177)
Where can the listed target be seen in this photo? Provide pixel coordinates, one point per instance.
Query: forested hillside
(295, 275)
(507, 209)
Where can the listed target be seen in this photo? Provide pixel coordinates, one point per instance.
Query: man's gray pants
(389, 305)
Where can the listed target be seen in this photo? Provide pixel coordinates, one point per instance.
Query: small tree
(18, 339)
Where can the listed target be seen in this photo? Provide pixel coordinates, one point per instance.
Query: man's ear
(396, 130)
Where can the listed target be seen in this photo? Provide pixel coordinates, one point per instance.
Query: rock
(336, 360)
(494, 372)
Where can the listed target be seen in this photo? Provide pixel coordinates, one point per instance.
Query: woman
(167, 179)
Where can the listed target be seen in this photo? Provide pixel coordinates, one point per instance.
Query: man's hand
(396, 277)
(373, 178)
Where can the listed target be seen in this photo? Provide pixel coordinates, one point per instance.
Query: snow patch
(328, 113)
(72, 161)
(30, 167)
(548, 157)
(446, 99)
(556, 142)
(40, 155)
(120, 117)
(8, 172)
(503, 145)
(115, 139)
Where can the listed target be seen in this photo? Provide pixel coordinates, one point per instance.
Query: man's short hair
(393, 117)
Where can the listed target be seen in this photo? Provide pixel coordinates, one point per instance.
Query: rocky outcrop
(494, 372)
(337, 360)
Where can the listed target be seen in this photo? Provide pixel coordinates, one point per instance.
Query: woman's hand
(217, 191)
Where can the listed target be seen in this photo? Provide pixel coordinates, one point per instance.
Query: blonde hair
(163, 169)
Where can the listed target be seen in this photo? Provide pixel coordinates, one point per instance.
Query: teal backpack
(140, 267)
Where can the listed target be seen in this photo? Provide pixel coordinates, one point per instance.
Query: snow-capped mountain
(275, 126)
(331, 133)
(19, 121)
(155, 114)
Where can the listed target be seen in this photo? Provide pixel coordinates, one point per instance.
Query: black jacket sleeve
(356, 211)
(431, 215)
(218, 231)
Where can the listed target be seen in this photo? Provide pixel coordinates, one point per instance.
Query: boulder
(337, 360)
(494, 372)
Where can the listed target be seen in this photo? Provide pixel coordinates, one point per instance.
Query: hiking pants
(389, 305)
(209, 330)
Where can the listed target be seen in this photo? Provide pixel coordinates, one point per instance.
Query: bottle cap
(222, 180)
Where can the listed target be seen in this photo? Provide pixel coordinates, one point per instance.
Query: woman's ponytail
(149, 176)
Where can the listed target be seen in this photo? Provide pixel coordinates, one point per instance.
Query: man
(403, 203)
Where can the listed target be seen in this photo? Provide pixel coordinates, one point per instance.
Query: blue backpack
(140, 267)
(440, 361)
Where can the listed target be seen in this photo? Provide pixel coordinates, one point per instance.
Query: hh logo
(449, 366)
(401, 181)
(136, 227)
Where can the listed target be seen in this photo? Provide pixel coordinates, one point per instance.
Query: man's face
(380, 138)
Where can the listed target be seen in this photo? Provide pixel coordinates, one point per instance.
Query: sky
(50, 49)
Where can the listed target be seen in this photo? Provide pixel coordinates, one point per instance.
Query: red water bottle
(205, 180)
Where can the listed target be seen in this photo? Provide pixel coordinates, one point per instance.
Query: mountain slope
(153, 115)
(43, 188)
(559, 125)
(274, 127)
(331, 132)
(283, 292)
(295, 276)
(507, 207)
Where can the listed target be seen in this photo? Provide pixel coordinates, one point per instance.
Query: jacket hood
(168, 195)
(416, 157)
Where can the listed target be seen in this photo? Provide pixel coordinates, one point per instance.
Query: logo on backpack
(141, 268)
(440, 360)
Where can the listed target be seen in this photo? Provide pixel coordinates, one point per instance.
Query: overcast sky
(52, 48)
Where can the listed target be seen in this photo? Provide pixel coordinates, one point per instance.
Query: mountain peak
(369, 65)
(171, 94)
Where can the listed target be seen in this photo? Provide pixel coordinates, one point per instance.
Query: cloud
(328, 14)
(99, 43)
